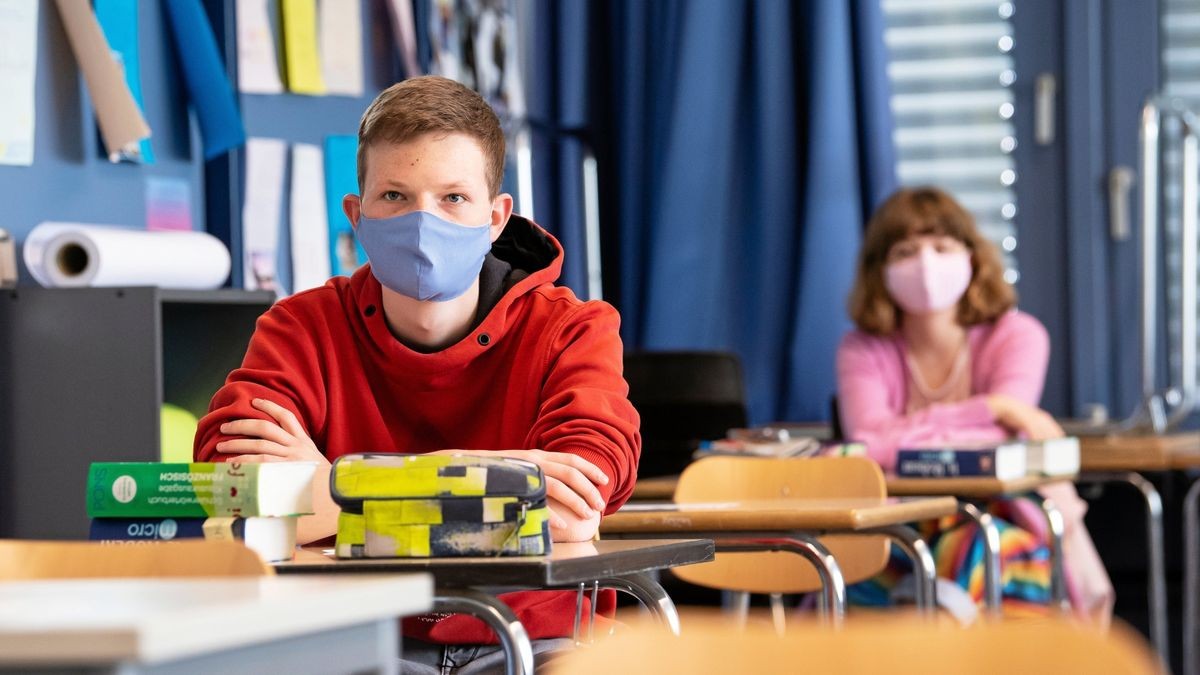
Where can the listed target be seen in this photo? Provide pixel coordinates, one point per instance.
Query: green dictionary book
(199, 489)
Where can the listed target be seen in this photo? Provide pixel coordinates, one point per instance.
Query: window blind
(951, 70)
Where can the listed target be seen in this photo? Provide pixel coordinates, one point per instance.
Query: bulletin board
(71, 180)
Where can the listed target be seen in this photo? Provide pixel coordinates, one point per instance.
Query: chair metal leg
(1191, 579)
(740, 606)
(777, 613)
(1058, 574)
(1157, 588)
(924, 567)
(514, 640)
(833, 584)
(991, 558)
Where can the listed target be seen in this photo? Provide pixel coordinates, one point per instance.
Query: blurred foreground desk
(228, 625)
(793, 525)
(463, 584)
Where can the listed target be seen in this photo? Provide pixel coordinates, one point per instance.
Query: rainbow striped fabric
(958, 552)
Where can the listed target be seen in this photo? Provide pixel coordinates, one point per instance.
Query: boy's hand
(566, 526)
(281, 441)
(570, 479)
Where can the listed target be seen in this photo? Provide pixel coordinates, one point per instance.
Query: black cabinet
(83, 377)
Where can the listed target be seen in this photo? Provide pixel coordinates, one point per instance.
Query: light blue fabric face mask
(423, 256)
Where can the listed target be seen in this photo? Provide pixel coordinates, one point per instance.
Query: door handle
(1120, 182)
(1045, 91)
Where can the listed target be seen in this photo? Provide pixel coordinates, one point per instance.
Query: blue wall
(69, 179)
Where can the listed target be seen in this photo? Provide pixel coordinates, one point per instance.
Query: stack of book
(800, 447)
(778, 442)
(1004, 461)
(146, 502)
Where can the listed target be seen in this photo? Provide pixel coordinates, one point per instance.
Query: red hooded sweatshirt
(540, 370)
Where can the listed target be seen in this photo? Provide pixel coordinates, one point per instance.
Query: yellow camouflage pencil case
(418, 506)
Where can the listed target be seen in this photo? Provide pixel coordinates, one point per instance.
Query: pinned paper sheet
(258, 68)
(447, 36)
(405, 33)
(168, 204)
(299, 18)
(18, 73)
(121, 123)
(497, 68)
(341, 179)
(310, 228)
(208, 85)
(342, 46)
(266, 161)
(119, 21)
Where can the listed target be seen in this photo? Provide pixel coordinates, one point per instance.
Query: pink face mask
(929, 281)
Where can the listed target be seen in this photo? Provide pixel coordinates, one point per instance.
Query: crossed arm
(571, 481)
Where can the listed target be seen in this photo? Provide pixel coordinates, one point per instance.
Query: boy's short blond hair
(431, 104)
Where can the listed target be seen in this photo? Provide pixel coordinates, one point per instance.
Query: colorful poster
(299, 18)
(121, 123)
(309, 227)
(342, 46)
(168, 204)
(404, 31)
(266, 163)
(475, 42)
(341, 179)
(258, 67)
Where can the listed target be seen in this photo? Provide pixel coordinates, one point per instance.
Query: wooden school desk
(793, 525)
(1123, 458)
(229, 625)
(982, 488)
(462, 584)
(869, 645)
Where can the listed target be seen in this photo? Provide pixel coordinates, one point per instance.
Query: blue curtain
(559, 126)
(741, 145)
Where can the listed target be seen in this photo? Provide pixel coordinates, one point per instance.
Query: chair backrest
(24, 559)
(683, 397)
(898, 644)
(741, 478)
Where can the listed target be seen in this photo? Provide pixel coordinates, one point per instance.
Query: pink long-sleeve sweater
(1008, 356)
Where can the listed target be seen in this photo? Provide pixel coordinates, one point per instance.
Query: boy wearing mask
(452, 339)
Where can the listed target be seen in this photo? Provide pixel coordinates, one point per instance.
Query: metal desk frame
(463, 586)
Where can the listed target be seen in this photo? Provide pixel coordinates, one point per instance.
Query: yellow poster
(300, 47)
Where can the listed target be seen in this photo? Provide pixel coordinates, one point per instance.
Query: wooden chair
(24, 560)
(897, 645)
(717, 479)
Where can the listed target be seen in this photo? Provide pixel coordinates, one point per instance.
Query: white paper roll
(71, 255)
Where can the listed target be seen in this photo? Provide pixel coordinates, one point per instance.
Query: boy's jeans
(423, 658)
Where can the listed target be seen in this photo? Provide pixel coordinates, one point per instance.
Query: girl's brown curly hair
(919, 211)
